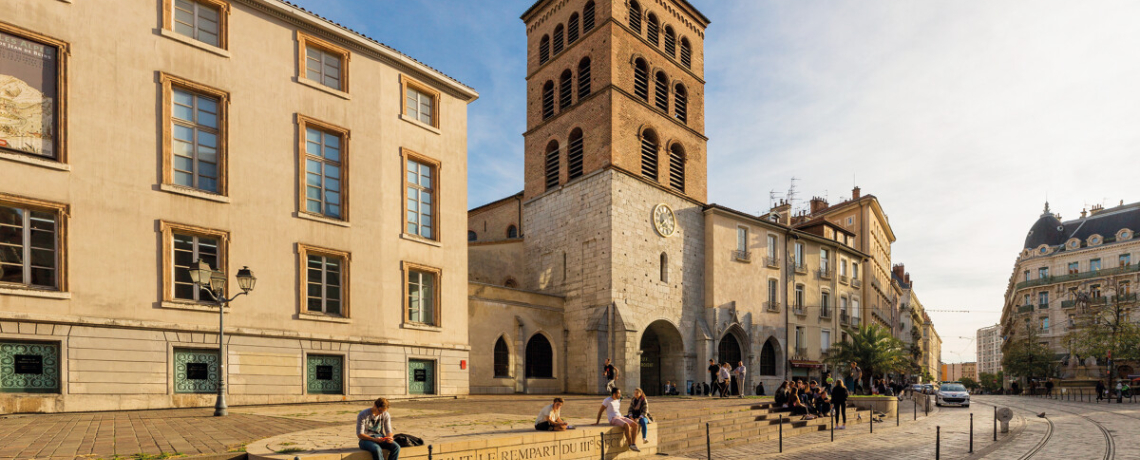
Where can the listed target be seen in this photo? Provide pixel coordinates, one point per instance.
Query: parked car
(953, 394)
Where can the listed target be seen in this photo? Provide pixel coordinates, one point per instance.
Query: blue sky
(961, 117)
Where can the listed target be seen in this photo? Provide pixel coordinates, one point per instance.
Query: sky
(961, 117)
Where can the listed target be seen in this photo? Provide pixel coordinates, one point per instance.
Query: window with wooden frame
(324, 281)
(34, 107)
(32, 243)
(182, 247)
(194, 135)
(324, 168)
(421, 187)
(421, 102)
(421, 294)
(200, 20)
(322, 62)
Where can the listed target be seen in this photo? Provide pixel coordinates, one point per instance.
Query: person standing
(857, 373)
(1099, 390)
(739, 373)
(611, 406)
(714, 372)
(611, 376)
(849, 380)
(839, 403)
(724, 378)
(1049, 387)
(374, 429)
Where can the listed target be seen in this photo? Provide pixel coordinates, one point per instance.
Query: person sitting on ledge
(374, 428)
(611, 406)
(550, 418)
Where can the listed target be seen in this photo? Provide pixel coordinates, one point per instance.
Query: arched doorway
(768, 359)
(728, 351)
(662, 357)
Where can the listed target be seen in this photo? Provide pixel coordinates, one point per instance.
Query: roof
(1051, 231)
(902, 282)
(868, 197)
(764, 221)
(496, 202)
(328, 22)
(684, 3)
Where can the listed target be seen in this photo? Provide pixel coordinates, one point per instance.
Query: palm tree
(873, 349)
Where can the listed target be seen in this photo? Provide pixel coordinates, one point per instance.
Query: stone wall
(515, 316)
(496, 262)
(492, 221)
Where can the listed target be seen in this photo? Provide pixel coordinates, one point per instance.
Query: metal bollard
(995, 423)
(833, 426)
(971, 432)
(429, 451)
(915, 400)
(603, 436)
(871, 419)
(781, 434)
(926, 405)
(896, 414)
(708, 442)
(938, 443)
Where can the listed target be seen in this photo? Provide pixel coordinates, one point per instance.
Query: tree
(1027, 357)
(991, 382)
(1101, 327)
(969, 383)
(873, 349)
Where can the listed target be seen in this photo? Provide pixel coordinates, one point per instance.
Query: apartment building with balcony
(989, 350)
(1093, 257)
(158, 133)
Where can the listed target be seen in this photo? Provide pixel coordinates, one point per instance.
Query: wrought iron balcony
(801, 268)
(1043, 306)
(773, 306)
(799, 310)
(1078, 276)
(1125, 297)
(855, 321)
(773, 262)
(1024, 308)
(742, 256)
(843, 279)
(801, 352)
(855, 283)
(844, 319)
(1068, 303)
(824, 273)
(825, 311)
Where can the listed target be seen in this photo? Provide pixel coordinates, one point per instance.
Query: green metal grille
(421, 377)
(325, 374)
(29, 367)
(195, 371)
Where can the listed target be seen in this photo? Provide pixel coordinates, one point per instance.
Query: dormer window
(1094, 240)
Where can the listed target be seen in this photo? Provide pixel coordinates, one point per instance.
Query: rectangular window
(420, 102)
(773, 292)
(194, 135)
(799, 254)
(741, 239)
(772, 243)
(825, 303)
(843, 305)
(799, 296)
(1045, 324)
(196, 371)
(32, 103)
(322, 62)
(1042, 273)
(188, 249)
(324, 374)
(854, 308)
(421, 304)
(1027, 300)
(420, 179)
(1043, 299)
(825, 340)
(843, 268)
(854, 270)
(1126, 260)
(1094, 291)
(199, 20)
(800, 339)
(31, 243)
(1094, 265)
(1074, 268)
(824, 259)
(325, 281)
(1027, 275)
(324, 154)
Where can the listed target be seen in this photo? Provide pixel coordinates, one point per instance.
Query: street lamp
(214, 282)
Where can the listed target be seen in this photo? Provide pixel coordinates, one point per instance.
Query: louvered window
(583, 78)
(686, 53)
(548, 100)
(635, 17)
(661, 91)
(552, 165)
(574, 154)
(641, 80)
(651, 29)
(588, 17)
(565, 89)
(544, 50)
(572, 29)
(670, 42)
(558, 32)
(677, 168)
(649, 155)
(680, 104)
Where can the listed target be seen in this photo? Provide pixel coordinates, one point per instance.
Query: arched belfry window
(583, 78)
(670, 42)
(588, 17)
(680, 103)
(544, 49)
(641, 79)
(651, 26)
(635, 17)
(649, 154)
(552, 165)
(572, 29)
(512, 232)
(686, 53)
(558, 33)
(548, 100)
(574, 154)
(539, 358)
(664, 267)
(661, 91)
(502, 359)
(677, 167)
(565, 89)
(472, 236)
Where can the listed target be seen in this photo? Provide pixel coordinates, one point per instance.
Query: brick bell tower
(616, 177)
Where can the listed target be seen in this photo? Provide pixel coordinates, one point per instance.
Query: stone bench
(583, 442)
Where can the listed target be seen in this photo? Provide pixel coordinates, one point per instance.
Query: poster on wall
(28, 95)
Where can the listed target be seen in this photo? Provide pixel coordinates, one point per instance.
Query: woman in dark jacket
(839, 402)
(782, 395)
(798, 407)
(639, 410)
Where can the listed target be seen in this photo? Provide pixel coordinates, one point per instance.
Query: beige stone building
(954, 372)
(1091, 258)
(989, 355)
(242, 133)
(931, 349)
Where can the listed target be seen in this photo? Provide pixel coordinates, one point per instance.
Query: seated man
(550, 417)
(671, 389)
(822, 403)
(374, 428)
(611, 406)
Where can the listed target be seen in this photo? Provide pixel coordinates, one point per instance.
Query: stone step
(679, 438)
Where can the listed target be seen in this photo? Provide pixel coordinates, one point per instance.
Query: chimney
(1083, 212)
(784, 210)
(907, 279)
(1095, 209)
(855, 193)
(817, 204)
(900, 270)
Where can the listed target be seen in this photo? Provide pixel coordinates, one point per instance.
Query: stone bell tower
(616, 177)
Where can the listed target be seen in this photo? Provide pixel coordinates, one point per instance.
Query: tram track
(1110, 443)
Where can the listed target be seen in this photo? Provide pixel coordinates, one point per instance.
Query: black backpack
(407, 440)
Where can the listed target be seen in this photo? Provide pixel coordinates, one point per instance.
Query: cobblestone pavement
(1081, 430)
(197, 431)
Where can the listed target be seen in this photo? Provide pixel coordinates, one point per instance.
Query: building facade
(1064, 263)
(244, 133)
(989, 350)
(954, 372)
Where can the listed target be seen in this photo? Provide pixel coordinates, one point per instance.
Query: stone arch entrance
(729, 350)
(769, 358)
(662, 357)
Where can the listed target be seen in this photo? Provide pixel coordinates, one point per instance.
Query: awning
(805, 363)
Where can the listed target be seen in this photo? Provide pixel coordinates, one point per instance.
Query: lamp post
(214, 283)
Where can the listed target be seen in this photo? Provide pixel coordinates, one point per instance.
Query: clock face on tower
(664, 220)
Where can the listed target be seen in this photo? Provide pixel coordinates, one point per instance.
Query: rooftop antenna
(772, 197)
